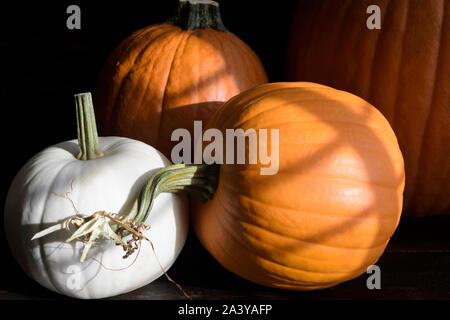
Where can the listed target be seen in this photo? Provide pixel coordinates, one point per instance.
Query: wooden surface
(415, 266)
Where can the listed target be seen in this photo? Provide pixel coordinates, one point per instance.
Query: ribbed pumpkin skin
(403, 69)
(332, 207)
(163, 77)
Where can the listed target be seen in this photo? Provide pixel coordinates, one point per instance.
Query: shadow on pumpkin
(333, 245)
(141, 107)
(402, 68)
(186, 115)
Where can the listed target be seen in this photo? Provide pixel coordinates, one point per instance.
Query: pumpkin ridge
(273, 87)
(142, 33)
(153, 32)
(218, 42)
(121, 88)
(151, 42)
(253, 252)
(185, 39)
(421, 154)
(345, 18)
(278, 276)
(394, 113)
(45, 263)
(125, 45)
(329, 177)
(353, 123)
(232, 53)
(149, 78)
(303, 241)
(320, 244)
(289, 172)
(311, 242)
(300, 211)
(375, 50)
(50, 283)
(287, 282)
(314, 27)
(299, 239)
(36, 158)
(252, 57)
(256, 100)
(250, 275)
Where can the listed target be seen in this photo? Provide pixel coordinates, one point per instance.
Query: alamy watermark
(374, 20)
(374, 281)
(73, 281)
(235, 140)
(74, 20)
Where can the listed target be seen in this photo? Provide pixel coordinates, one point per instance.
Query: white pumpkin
(55, 184)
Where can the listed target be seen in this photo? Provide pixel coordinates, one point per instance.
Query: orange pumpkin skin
(403, 69)
(163, 78)
(332, 207)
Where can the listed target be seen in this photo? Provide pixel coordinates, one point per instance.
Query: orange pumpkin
(332, 207)
(165, 76)
(403, 69)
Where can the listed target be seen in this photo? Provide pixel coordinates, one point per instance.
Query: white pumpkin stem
(86, 128)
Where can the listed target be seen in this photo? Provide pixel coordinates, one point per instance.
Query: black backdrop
(43, 64)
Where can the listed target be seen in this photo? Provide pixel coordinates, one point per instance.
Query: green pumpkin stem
(198, 14)
(86, 128)
(198, 180)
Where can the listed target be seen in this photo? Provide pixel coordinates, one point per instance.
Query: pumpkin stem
(199, 180)
(86, 128)
(198, 14)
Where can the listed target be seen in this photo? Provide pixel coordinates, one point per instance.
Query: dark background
(43, 64)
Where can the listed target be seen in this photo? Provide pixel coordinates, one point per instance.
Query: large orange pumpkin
(165, 76)
(403, 69)
(332, 207)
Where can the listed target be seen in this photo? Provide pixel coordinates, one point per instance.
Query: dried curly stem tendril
(97, 226)
(76, 221)
(90, 229)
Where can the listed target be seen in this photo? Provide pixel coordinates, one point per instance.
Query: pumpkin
(403, 69)
(61, 182)
(329, 211)
(165, 76)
